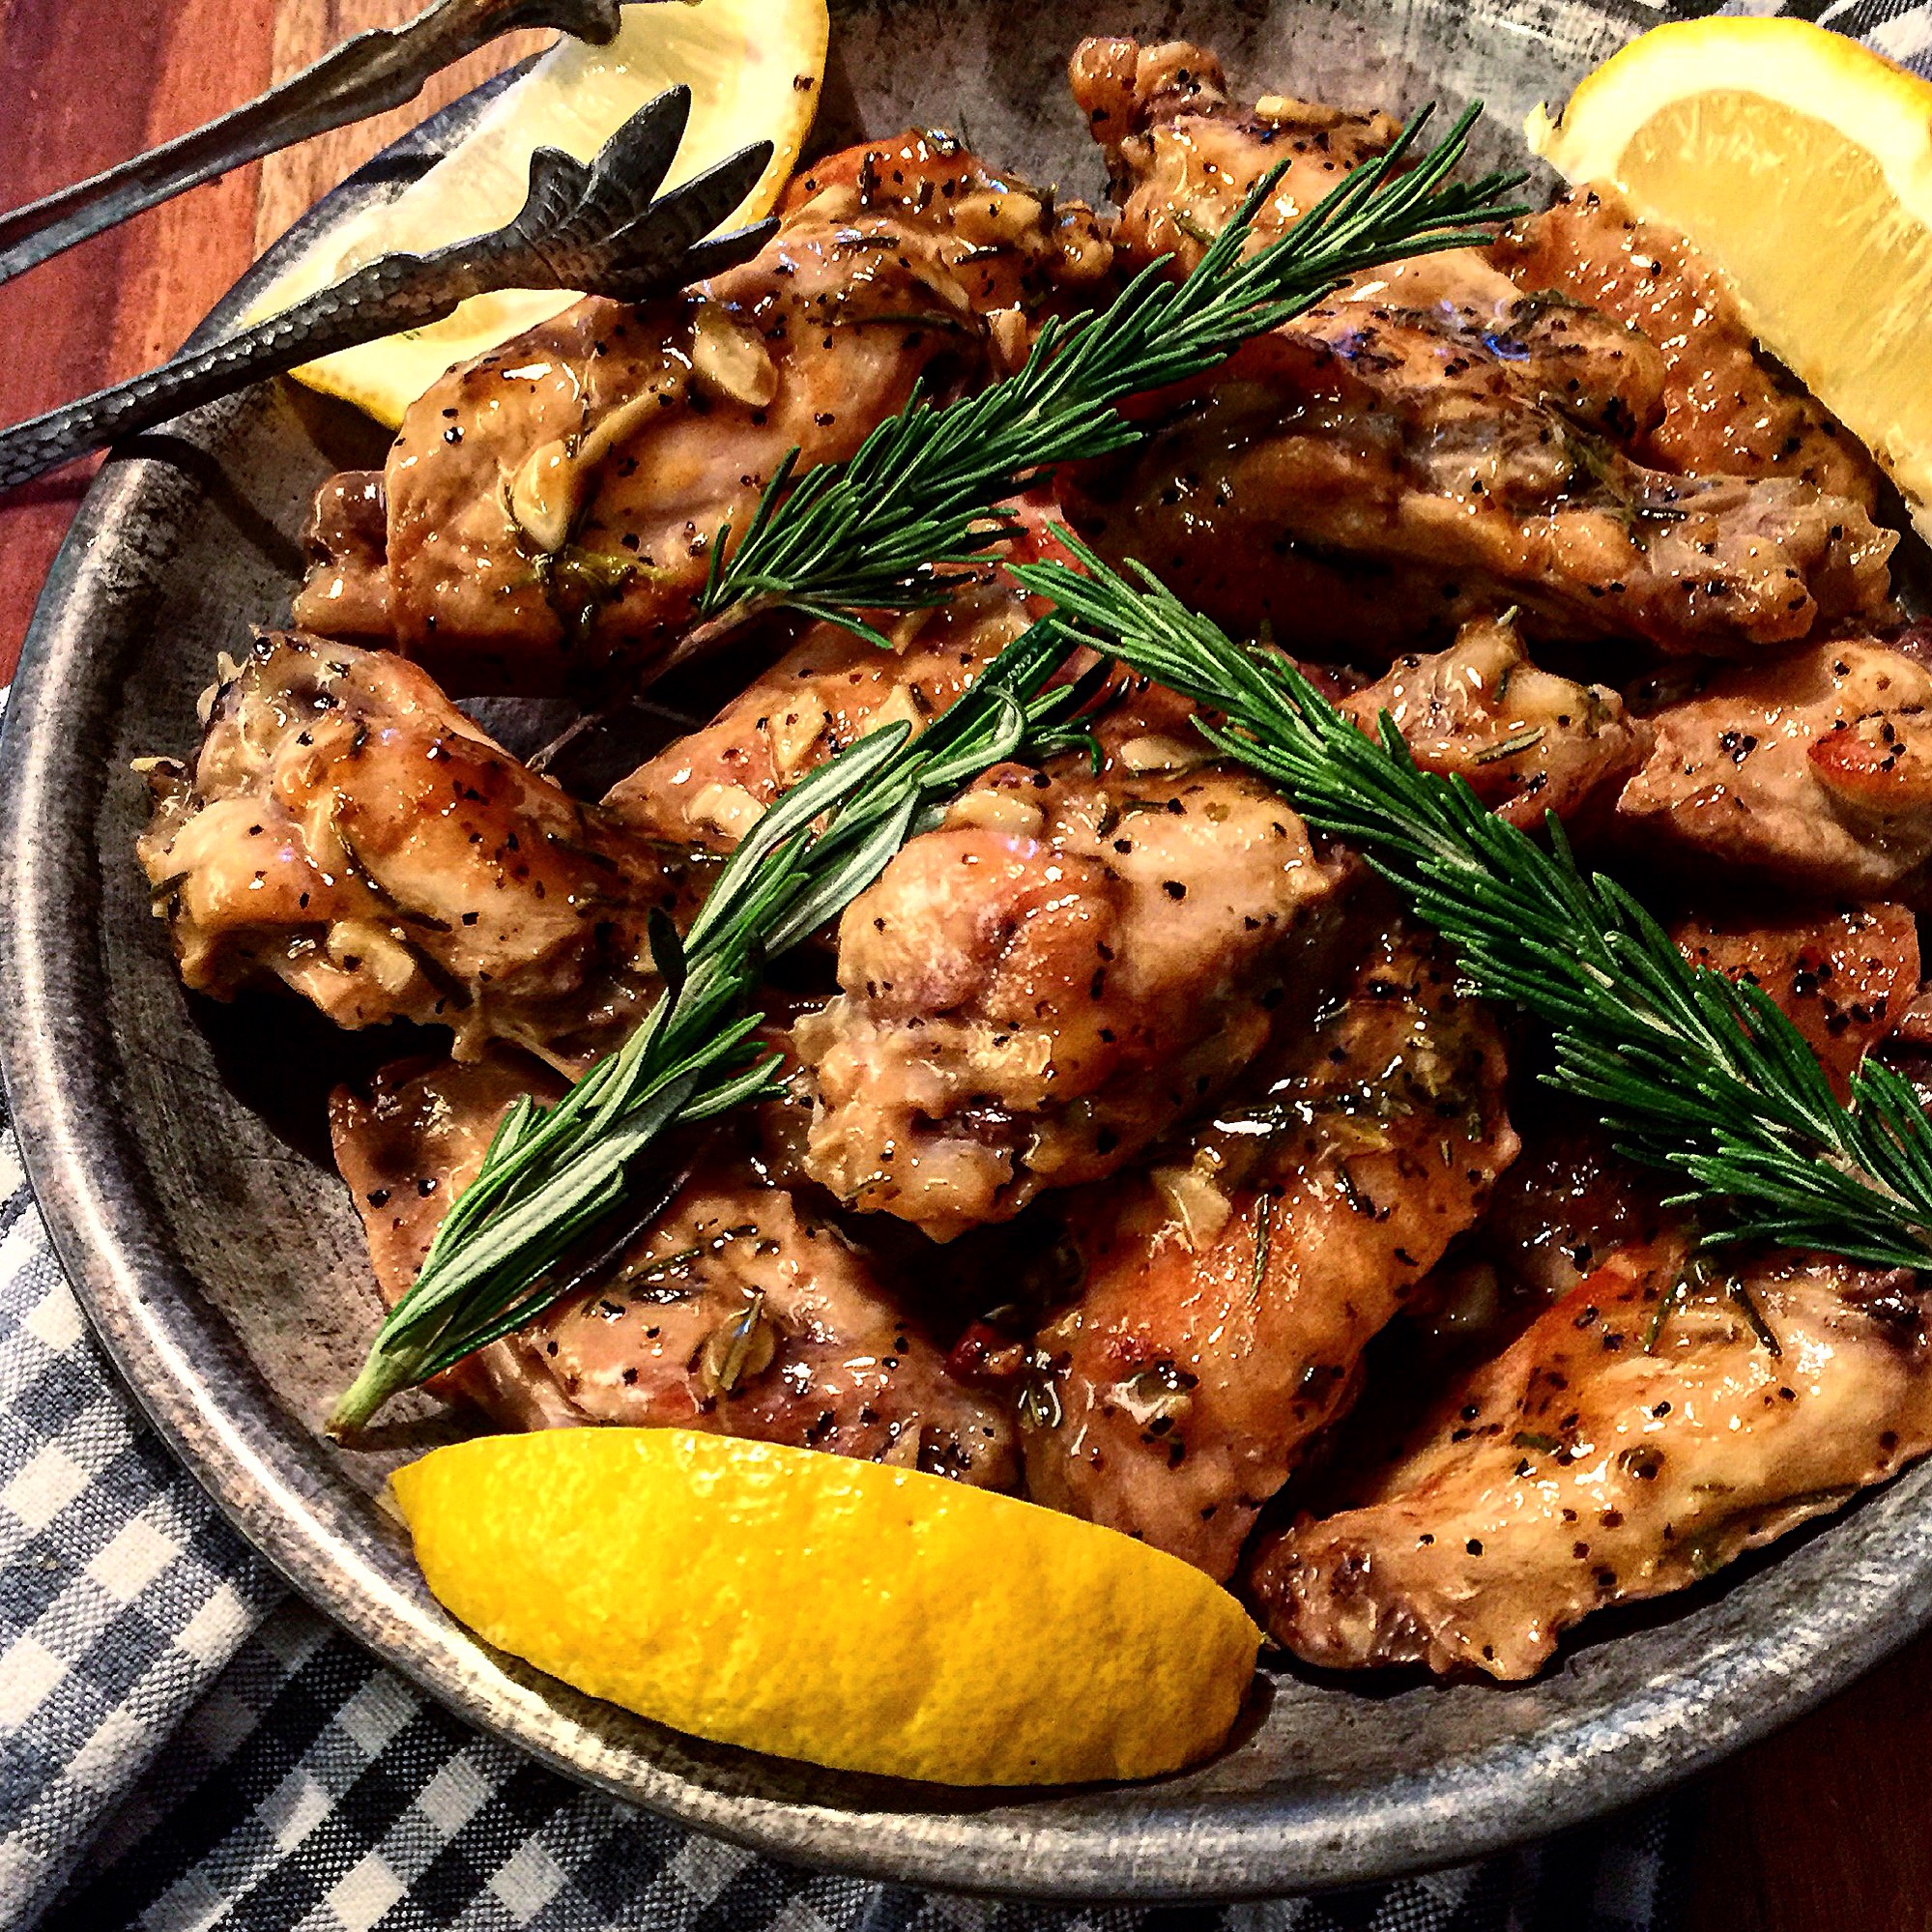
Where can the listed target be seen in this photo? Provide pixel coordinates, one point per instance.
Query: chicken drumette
(346, 830)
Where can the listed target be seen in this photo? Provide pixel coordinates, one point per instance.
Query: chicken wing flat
(549, 509)
(1035, 990)
(1813, 771)
(827, 691)
(1433, 443)
(1726, 410)
(741, 1311)
(1527, 741)
(1654, 1423)
(1230, 1292)
(345, 830)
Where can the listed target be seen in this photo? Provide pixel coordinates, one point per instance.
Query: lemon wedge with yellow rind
(851, 1614)
(754, 68)
(1800, 163)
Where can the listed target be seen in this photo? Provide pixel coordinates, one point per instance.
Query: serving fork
(593, 229)
(367, 74)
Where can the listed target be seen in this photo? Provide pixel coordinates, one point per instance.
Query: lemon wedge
(754, 68)
(848, 1613)
(1800, 163)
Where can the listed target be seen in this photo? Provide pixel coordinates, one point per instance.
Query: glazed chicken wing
(1814, 772)
(1069, 964)
(1726, 410)
(1843, 977)
(1527, 741)
(1653, 1425)
(550, 508)
(1230, 1292)
(1432, 442)
(345, 830)
(1180, 156)
(827, 691)
(740, 1309)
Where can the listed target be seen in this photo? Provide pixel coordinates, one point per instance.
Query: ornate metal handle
(365, 75)
(593, 229)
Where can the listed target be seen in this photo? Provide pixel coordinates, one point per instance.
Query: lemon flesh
(848, 1613)
(1800, 163)
(754, 68)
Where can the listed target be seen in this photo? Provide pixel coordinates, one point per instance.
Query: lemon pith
(754, 68)
(849, 1613)
(1800, 163)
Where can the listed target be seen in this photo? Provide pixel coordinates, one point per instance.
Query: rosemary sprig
(552, 1174)
(891, 528)
(1691, 1072)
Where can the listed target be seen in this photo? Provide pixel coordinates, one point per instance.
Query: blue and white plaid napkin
(183, 1748)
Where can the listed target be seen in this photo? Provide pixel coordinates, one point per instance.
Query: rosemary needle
(890, 528)
(1692, 1073)
(552, 1174)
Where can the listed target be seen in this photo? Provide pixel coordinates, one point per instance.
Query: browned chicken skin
(739, 1311)
(1180, 157)
(1726, 411)
(1071, 964)
(1617, 1450)
(1432, 444)
(345, 830)
(1229, 1293)
(551, 506)
(1813, 771)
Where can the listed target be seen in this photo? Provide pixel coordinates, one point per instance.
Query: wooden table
(1827, 1827)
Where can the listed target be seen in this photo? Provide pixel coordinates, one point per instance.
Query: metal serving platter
(179, 1155)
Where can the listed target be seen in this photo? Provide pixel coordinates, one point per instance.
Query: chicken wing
(1527, 741)
(824, 693)
(1230, 1292)
(741, 1311)
(1070, 963)
(1726, 410)
(1432, 442)
(1180, 156)
(550, 507)
(1814, 772)
(1653, 1425)
(348, 832)
(1843, 977)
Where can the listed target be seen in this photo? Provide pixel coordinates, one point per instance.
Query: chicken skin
(1036, 990)
(1180, 157)
(1814, 772)
(739, 1311)
(1230, 1292)
(1654, 1423)
(1431, 443)
(550, 508)
(346, 831)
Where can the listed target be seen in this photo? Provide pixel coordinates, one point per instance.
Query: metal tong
(593, 229)
(368, 75)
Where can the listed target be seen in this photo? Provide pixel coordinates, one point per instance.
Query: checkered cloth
(181, 1748)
